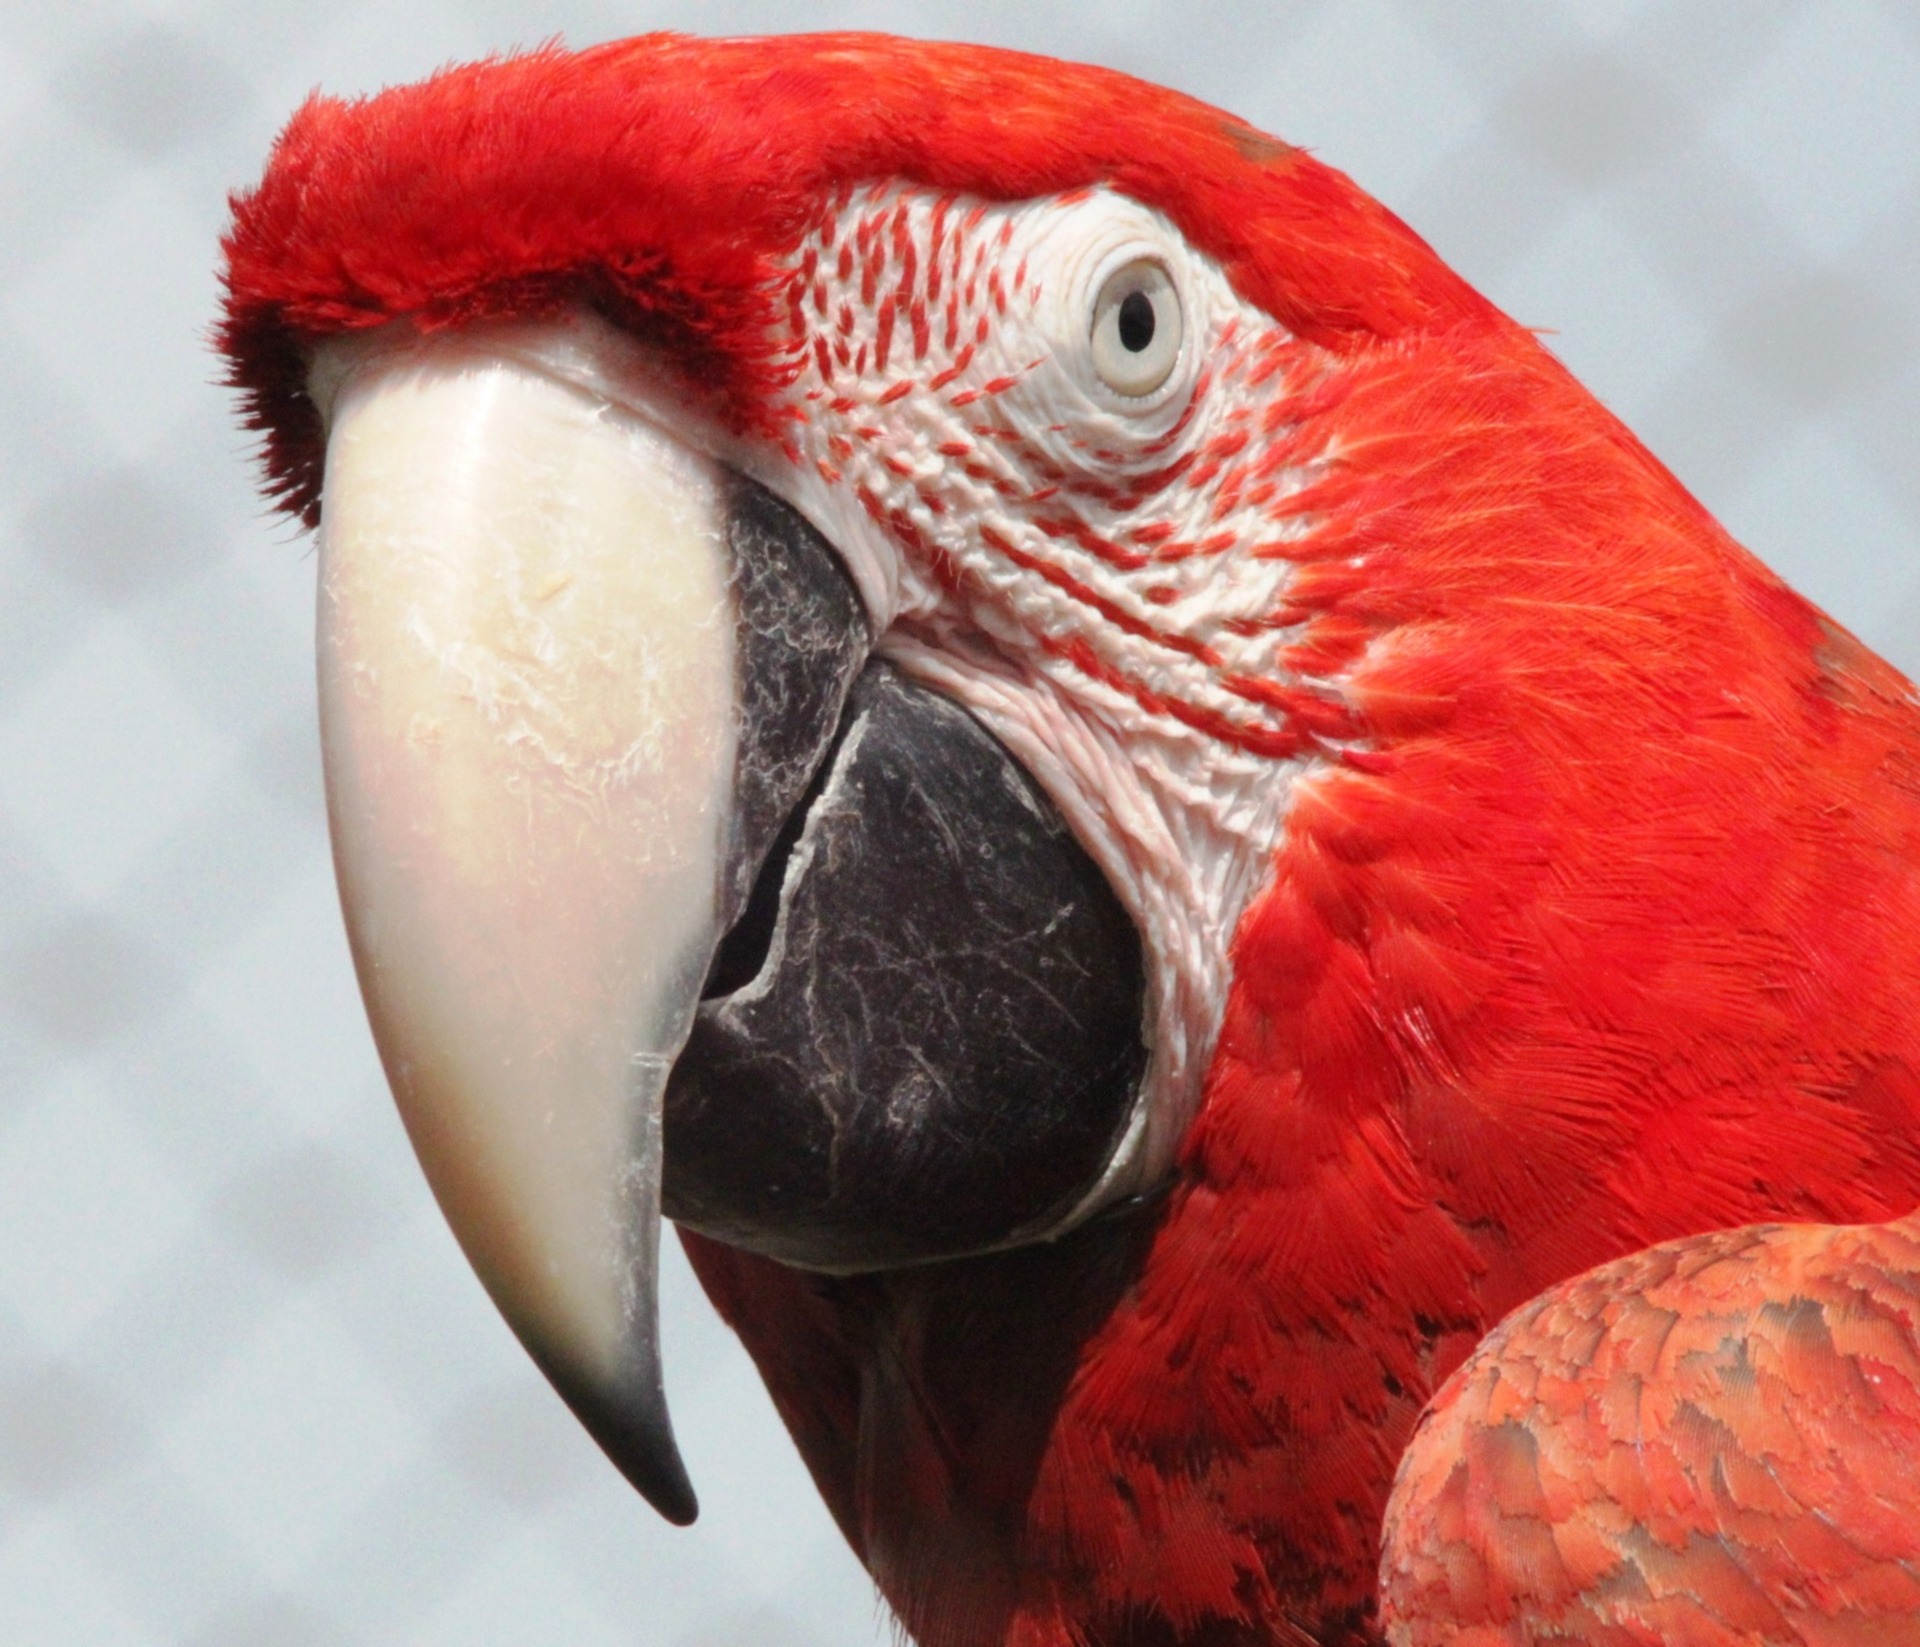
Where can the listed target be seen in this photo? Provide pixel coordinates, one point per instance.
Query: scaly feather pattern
(1717, 1441)
(1594, 914)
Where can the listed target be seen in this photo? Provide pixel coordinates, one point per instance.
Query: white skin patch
(1094, 575)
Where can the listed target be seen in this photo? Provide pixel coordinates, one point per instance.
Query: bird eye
(1136, 329)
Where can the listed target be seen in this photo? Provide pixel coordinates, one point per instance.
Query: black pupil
(1136, 322)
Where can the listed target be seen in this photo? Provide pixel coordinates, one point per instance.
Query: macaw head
(919, 644)
(822, 573)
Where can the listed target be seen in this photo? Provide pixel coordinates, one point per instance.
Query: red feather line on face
(1603, 928)
(878, 416)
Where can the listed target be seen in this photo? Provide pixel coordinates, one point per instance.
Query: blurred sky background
(250, 1395)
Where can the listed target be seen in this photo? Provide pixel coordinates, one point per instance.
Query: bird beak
(655, 882)
(529, 714)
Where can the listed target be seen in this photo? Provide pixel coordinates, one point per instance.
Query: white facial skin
(1089, 569)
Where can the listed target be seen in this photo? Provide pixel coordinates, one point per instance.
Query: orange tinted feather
(1717, 1441)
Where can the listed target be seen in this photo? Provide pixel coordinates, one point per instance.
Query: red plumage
(1598, 926)
(662, 179)
(1715, 1441)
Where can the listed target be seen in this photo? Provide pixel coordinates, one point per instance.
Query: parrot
(1272, 983)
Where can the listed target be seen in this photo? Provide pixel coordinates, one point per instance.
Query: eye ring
(1136, 328)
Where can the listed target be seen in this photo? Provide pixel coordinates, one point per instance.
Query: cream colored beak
(527, 692)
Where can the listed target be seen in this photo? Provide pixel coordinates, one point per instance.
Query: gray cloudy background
(249, 1393)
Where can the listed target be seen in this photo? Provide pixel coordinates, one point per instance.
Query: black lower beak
(924, 1038)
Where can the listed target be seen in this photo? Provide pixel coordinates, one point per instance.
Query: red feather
(1716, 1441)
(662, 178)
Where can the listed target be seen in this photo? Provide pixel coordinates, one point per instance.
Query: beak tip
(682, 1509)
(657, 1474)
(633, 1428)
